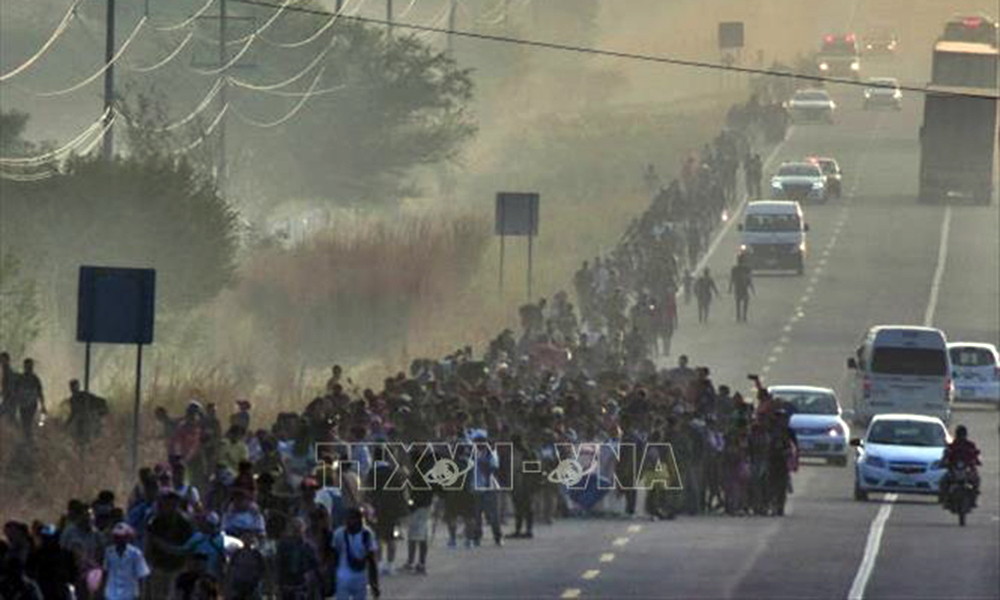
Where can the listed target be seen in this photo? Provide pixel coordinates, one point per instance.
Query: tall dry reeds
(352, 292)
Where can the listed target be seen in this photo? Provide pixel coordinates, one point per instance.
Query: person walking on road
(741, 285)
(704, 290)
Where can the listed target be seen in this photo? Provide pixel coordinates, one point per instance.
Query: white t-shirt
(123, 572)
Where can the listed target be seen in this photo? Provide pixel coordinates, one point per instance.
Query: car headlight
(836, 430)
(874, 461)
(817, 185)
(855, 66)
(823, 66)
(868, 93)
(745, 248)
(776, 185)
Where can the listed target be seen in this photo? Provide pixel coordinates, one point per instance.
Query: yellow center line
(591, 574)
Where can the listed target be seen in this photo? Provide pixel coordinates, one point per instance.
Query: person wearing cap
(208, 541)
(168, 529)
(125, 566)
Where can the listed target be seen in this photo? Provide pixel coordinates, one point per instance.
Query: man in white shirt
(124, 566)
(355, 548)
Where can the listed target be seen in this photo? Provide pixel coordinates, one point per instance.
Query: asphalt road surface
(873, 259)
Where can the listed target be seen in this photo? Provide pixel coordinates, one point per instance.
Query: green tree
(156, 211)
(401, 105)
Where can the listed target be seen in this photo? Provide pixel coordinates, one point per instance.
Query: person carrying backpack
(354, 550)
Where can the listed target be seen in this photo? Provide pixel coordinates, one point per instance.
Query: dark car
(880, 41)
(834, 176)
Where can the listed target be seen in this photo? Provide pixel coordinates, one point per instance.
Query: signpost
(517, 215)
(117, 306)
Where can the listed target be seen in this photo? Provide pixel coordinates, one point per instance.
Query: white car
(900, 454)
(811, 105)
(817, 420)
(975, 370)
(799, 181)
(883, 92)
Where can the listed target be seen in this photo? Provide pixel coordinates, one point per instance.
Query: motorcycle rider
(960, 451)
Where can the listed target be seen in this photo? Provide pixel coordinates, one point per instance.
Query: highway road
(875, 256)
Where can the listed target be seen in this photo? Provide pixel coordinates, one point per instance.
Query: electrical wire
(407, 10)
(619, 54)
(60, 29)
(190, 20)
(280, 84)
(209, 97)
(100, 136)
(121, 51)
(167, 59)
(229, 63)
(280, 9)
(323, 92)
(295, 109)
(54, 154)
(29, 177)
(201, 139)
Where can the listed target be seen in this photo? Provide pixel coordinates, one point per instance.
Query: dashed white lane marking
(804, 299)
(810, 289)
(778, 350)
(772, 359)
(939, 271)
(871, 549)
(590, 574)
(785, 339)
(878, 525)
(634, 528)
(607, 557)
(619, 542)
(738, 209)
(572, 593)
(787, 328)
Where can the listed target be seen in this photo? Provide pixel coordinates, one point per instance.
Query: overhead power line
(169, 57)
(620, 54)
(60, 29)
(190, 20)
(85, 82)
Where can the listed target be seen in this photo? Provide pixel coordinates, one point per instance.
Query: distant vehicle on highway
(975, 368)
(839, 56)
(817, 421)
(900, 453)
(800, 181)
(901, 368)
(958, 138)
(883, 92)
(880, 40)
(774, 235)
(811, 105)
(979, 29)
(834, 176)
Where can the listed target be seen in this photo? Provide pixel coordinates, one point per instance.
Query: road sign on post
(730, 35)
(117, 306)
(517, 215)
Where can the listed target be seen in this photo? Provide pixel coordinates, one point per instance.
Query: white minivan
(902, 369)
(774, 235)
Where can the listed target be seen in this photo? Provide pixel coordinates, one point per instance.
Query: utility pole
(388, 14)
(340, 6)
(108, 150)
(451, 26)
(222, 167)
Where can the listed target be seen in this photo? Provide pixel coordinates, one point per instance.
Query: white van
(902, 369)
(774, 235)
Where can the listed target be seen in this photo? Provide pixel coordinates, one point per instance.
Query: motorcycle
(960, 491)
